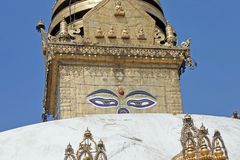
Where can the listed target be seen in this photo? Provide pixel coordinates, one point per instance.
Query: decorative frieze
(89, 50)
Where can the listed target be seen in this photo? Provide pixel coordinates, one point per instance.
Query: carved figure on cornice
(125, 33)
(141, 34)
(75, 33)
(99, 33)
(186, 44)
(159, 36)
(111, 33)
(52, 38)
(118, 9)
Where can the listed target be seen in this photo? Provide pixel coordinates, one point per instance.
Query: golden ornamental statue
(88, 149)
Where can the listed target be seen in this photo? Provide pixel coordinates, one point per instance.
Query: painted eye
(103, 102)
(141, 103)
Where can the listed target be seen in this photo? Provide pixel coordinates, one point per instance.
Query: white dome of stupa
(126, 137)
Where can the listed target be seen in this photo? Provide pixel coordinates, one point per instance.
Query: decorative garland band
(118, 51)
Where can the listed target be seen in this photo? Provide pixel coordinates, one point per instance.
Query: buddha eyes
(141, 103)
(103, 102)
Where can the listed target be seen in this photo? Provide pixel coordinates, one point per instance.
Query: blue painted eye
(141, 103)
(103, 102)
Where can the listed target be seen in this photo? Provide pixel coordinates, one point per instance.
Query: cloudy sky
(213, 88)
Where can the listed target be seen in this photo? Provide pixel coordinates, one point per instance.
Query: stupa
(112, 88)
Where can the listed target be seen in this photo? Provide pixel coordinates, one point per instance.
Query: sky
(213, 88)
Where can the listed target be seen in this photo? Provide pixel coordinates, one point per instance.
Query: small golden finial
(101, 151)
(218, 152)
(190, 153)
(203, 130)
(86, 158)
(63, 35)
(69, 153)
(69, 150)
(100, 143)
(63, 27)
(170, 36)
(88, 134)
(204, 152)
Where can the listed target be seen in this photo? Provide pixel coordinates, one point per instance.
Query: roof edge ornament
(40, 27)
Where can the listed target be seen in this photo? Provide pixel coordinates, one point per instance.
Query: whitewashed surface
(127, 137)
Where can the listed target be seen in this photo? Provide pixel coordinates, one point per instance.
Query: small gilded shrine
(111, 56)
(88, 149)
(196, 145)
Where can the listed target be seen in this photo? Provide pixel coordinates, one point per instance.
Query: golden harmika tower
(111, 56)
